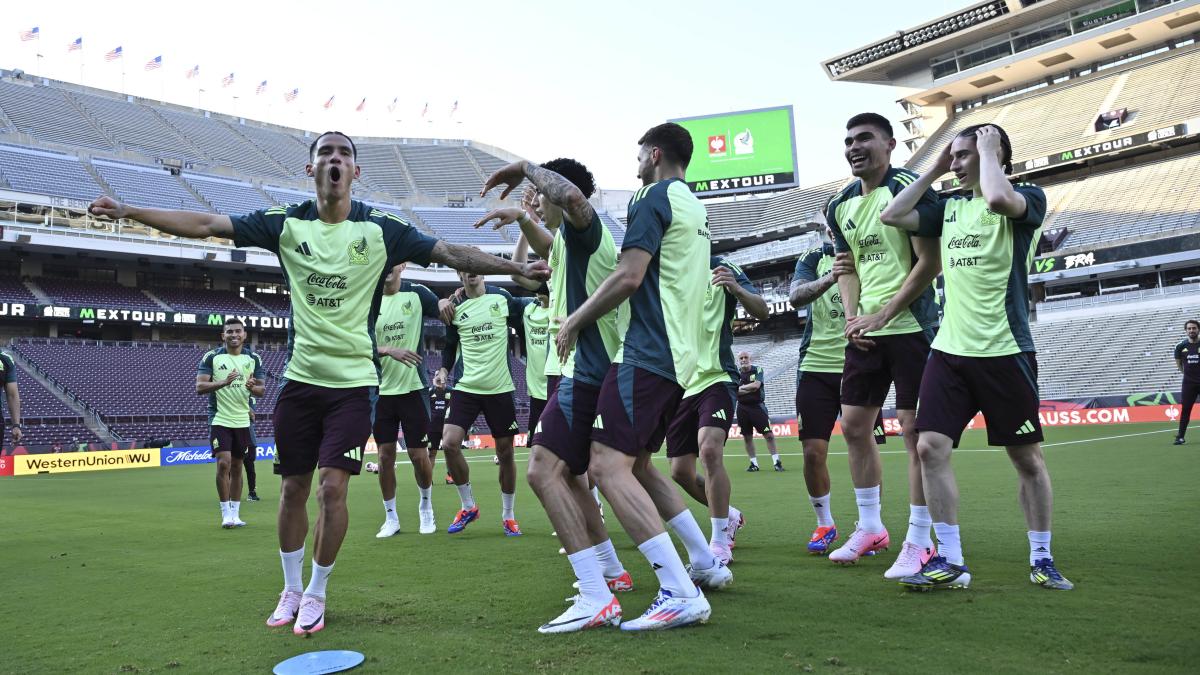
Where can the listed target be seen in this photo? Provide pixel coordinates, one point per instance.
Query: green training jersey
(477, 342)
(823, 347)
(229, 406)
(8, 375)
(715, 362)
(536, 320)
(985, 259)
(335, 273)
(883, 255)
(401, 324)
(667, 221)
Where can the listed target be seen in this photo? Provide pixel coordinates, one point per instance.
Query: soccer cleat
(822, 538)
(285, 611)
(736, 522)
(584, 614)
(238, 522)
(621, 584)
(668, 611)
(253, 496)
(752, 467)
(911, 561)
(714, 578)
(721, 552)
(428, 526)
(449, 479)
(311, 617)
(1179, 440)
(388, 528)
(779, 465)
(1045, 574)
(462, 519)
(937, 573)
(859, 544)
(511, 529)
(227, 521)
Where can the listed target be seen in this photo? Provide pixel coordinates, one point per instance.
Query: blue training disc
(313, 663)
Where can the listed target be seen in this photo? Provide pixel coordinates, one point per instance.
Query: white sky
(539, 78)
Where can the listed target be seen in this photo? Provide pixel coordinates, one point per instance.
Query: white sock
(949, 543)
(225, 511)
(821, 508)
(235, 508)
(918, 526)
(320, 577)
(591, 577)
(596, 494)
(507, 500)
(607, 556)
(426, 503)
(720, 531)
(293, 570)
(1039, 546)
(660, 552)
(754, 461)
(775, 457)
(389, 509)
(467, 496)
(687, 529)
(868, 509)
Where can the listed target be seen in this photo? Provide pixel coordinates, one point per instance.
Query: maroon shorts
(536, 406)
(409, 412)
(712, 407)
(634, 409)
(895, 358)
(227, 439)
(1003, 388)
(498, 409)
(552, 384)
(752, 417)
(818, 406)
(565, 427)
(321, 427)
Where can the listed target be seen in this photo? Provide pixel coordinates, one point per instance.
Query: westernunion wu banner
(101, 460)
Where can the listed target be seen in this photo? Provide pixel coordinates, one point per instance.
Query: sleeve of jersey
(450, 351)
(806, 267)
(405, 243)
(740, 276)
(840, 245)
(259, 228)
(10, 369)
(930, 215)
(1035, 205)
(649, 218)
(206, 365)
(429, 301)
(588, 239)
(258, 369)
(1180, 351)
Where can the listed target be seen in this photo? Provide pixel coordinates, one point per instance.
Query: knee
(1030, 464)
(814, 456)
(331, 493)
(682, 474)
(292, 493)
(712, 457)
(537, 473)
(931, 453)
(857, 433)
(387, 453)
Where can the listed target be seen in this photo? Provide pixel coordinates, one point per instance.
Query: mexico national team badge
(358, 252)
(496, 309)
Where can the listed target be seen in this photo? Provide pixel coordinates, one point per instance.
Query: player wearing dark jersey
(403, 395)
(890, 314)
(251, 455)
(334, 253)
(229, 376)
(983, 358)
(8, 377)
(1187, 360)
(582, 254)
(752, 415)
(535, 325)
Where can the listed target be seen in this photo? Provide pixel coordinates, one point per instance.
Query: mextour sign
(144, 315)
(742, 152)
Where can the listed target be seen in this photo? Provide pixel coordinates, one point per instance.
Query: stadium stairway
(37, 291)
(157, 300)
(108, 191)
(198, 197)
(89, 416)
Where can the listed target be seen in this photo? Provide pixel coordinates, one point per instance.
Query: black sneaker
(1179, 440)
(252, 497)
(752, 467)
(779, 465)
(937, 573)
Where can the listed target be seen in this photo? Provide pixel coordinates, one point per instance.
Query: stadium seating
(222, 145)
(12, 289)
(232, 198)
(457, 225)
(48, 173)
(381, 163)
(441, 169)
(205, 300)
(135, 127)
(147, 186)
(46, 114)
(78, 292)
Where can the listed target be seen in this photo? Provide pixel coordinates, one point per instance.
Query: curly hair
(575, 172)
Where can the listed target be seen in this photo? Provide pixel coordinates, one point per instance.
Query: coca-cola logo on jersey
(965, 241)
(327, 280)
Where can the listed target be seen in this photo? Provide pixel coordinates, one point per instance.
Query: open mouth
(858, 161)
(335, 174)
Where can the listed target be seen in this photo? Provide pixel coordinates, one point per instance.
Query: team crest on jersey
(358, 252)
(407, 306)
(496, 310)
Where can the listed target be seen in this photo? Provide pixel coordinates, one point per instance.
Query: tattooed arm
(551, 185)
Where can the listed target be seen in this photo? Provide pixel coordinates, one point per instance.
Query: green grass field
(128, 571)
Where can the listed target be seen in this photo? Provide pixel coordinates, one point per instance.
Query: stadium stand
(457, 225)
(205, 300)
(147, 186)
(48, 173)
(382, 164)
(12, 289)
(441, 169)
(229, 197)
(47, 115)
(78, 292)
(135, 127)
(221, 145)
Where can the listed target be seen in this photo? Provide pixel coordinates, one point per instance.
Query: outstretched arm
(521, 256)
(551, 185)
(190, 224)
(471, 259)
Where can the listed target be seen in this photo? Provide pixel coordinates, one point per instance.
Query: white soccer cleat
(428, 526)
(584, 614)
(721, 552)
(227, 522)
(736, 522)
(285, 611)
(714, 578)
(238, 522)
(388, 528)
(668, 611)
(910, 561)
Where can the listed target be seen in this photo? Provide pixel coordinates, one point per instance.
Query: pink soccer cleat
(285, 611)
(311, 617)
(859, 544)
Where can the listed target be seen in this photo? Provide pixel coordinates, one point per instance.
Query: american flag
(262, 86)
(393, 104)
(425, 111)
(291, 95)
(329, 103)
(31, 34)
(454, 109)
(194, 71)
(76, 45)
(154, 63)
(227, 80)
(114, 54)
(362, 105)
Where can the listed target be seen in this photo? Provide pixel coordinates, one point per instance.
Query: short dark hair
(1190, 322)
(873, 120)
(232, 320)
(673, 140)
(1005, 144)
(575, 172)
(312, 149)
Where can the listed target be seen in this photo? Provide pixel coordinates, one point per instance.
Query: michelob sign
(741, 152)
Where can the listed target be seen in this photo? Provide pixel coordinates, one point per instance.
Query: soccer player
(890, 313)
(403, 394)
(251, 455)
(752, 411)
(229, 376)
(8, 375)
(439, 400)
(1187, 360)
(582, 254)
(983, 358)
(477, 352)
(663, 273)
(535, 326)
(701, 423)
(323, 414)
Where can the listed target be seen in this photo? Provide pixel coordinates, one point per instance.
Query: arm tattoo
(562, 192)
(803, 294)
(471, 259)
